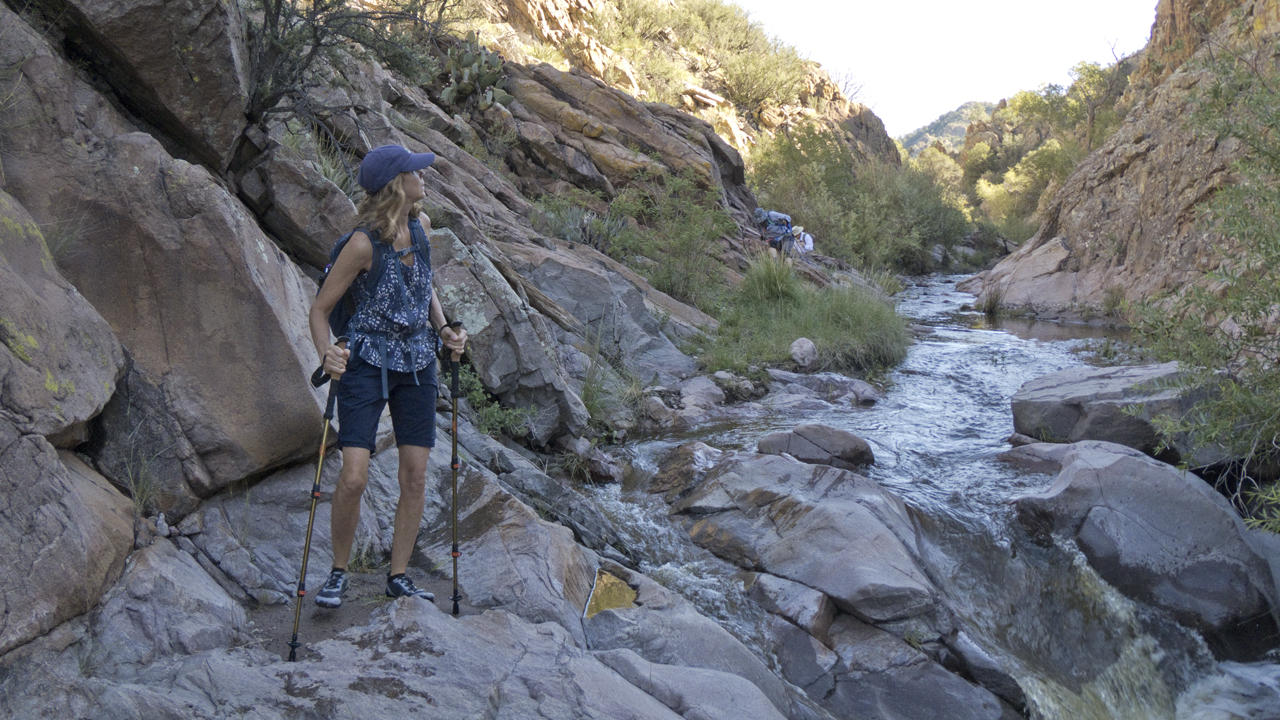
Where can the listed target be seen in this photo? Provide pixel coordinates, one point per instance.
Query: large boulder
(512, 559)
(820, 526)
(511, 346)
(164, 605)
(693, 692)
(59, 360)
(184, 66)
(820, 445)
(807, 608)
(1161, 536)
(64, 535)
(300, 207)
(206, 304)
(1116, 404)
(614, 306)
(880, 676)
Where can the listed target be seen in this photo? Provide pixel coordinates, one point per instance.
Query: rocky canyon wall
(1125, 225)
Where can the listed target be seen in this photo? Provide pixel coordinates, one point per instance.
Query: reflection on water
(1078, 648)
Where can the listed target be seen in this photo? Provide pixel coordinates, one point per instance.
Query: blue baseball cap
(382, 164)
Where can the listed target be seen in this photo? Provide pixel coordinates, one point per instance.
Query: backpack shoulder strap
(419, 235)
(380, 252)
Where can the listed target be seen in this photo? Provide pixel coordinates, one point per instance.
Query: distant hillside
(949, 128)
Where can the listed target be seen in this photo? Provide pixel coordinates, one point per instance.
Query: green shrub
(853, 330)
(700, 41)
(489, 416)
(770, 73)
(1226, 338)
(577, 224)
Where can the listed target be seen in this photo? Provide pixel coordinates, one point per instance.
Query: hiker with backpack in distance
(775, 228)
(395, 329)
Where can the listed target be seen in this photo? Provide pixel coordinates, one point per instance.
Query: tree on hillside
(293, 43)
(1096, 88)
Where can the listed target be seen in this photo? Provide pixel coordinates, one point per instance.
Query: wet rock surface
(820, 445)
(1162, 536)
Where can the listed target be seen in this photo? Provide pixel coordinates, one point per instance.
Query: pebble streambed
(1078, 648)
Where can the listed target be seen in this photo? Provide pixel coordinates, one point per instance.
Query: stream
(1078, 648)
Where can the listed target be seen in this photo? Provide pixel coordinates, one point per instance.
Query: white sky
(918, 60)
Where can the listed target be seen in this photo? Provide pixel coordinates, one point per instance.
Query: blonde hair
(383, 210)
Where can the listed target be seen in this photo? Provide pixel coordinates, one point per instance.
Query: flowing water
(1078, 648)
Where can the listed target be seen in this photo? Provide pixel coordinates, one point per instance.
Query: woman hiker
(390, 359)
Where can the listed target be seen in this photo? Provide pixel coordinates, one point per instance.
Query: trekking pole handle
(320, 377)
(455, 325)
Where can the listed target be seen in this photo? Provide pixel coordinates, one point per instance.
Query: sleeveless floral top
(391, 328)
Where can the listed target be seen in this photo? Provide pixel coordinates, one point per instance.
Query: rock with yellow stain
(59, 360)
(610, 592)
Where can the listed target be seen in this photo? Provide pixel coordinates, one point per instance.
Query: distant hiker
(804, 241)
(395, 331)
(773, 226)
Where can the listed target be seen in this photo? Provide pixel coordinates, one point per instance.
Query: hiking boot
(335, 587)
(402, 586)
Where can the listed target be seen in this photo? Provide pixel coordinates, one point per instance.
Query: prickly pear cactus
(474, 70)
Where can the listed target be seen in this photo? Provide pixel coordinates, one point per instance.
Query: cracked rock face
(412, 659)
(64, 535)
(1125, 224)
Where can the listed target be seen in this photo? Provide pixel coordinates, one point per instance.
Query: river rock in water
(832, 387)
(693, 692)
(807, 608)
(1115, 404)
(880, 676)
(826, 528)
(819, 445)
(1161, 536)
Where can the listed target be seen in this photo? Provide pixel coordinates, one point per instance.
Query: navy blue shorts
(360, 404)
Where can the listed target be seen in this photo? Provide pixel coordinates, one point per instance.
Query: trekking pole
(318, 379)
(453, 463)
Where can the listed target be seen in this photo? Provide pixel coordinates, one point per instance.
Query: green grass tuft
(854, 330)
